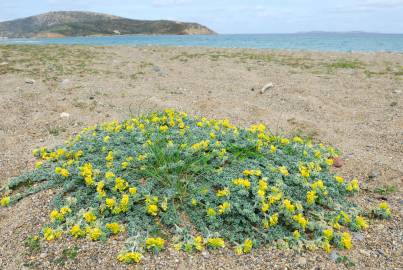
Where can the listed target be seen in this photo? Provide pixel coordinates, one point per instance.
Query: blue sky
(237, 16)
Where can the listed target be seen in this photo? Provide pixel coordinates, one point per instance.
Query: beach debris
(338, 162)
(64, 115)
(266, 87)
(65, 81)
(29, 81)
(3, 63)
(396, 91)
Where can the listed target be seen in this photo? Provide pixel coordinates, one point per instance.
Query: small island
(78, 23)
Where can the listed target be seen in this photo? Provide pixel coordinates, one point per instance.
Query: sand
(353, 101)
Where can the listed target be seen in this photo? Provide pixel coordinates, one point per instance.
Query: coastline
(353, 101)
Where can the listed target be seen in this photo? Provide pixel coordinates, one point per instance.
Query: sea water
(301, 41)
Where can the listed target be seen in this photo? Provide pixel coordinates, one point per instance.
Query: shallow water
(303, 41)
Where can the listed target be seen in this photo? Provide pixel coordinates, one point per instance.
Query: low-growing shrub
(194, 183)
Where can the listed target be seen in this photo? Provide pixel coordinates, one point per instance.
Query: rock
(29, 81)
(302, 261)
(64, 115)
(365, 252)
(373, 175)
(205, 254)
(266, 87)
(43, 255)
(338, 162)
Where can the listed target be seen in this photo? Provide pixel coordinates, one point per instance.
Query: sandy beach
(353, 101)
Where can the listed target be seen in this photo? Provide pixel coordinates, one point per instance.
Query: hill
(78, 23)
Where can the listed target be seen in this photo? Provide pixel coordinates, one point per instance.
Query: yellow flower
(302, 221)
(124, 204)
(89, 217)
(328, 234)
(120, 184)
(124, 164)
(304, 171)
(198, 243)
(110, 202)
(238, 250)
(109, 157)
(288, 205)
(100, 189)
(215, 242)
(241, 182)
(141, 157)
(273, 220)
(247, 246)
(94, 233)
(163, 128)
(263, 184)
(283, 170)
(55, 215)
(252, 172)
(296, 234)
(327, 247)
(201, 145)
(5, 201)
(298, 140)
(157, 243)
(361, 222)
(385, 207)
(62, 171)
(223, 192)
(354, 184)
(133, 190)
(346, 240)
(311, 197)
(273, 149)
(265, 207)
(194, 202)
(329, 161)
(152, 209)
(339, 179)
(114, 227)
(222, 209)
(109, 175)
(130, 257)
(318, 185)
(38, 164)
(284, 141)
(211, 212)
(106, 139)
(49, 234)
(261, 193)
(76, 231)
(65, 210)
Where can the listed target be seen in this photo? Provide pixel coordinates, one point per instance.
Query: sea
(347, 42)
